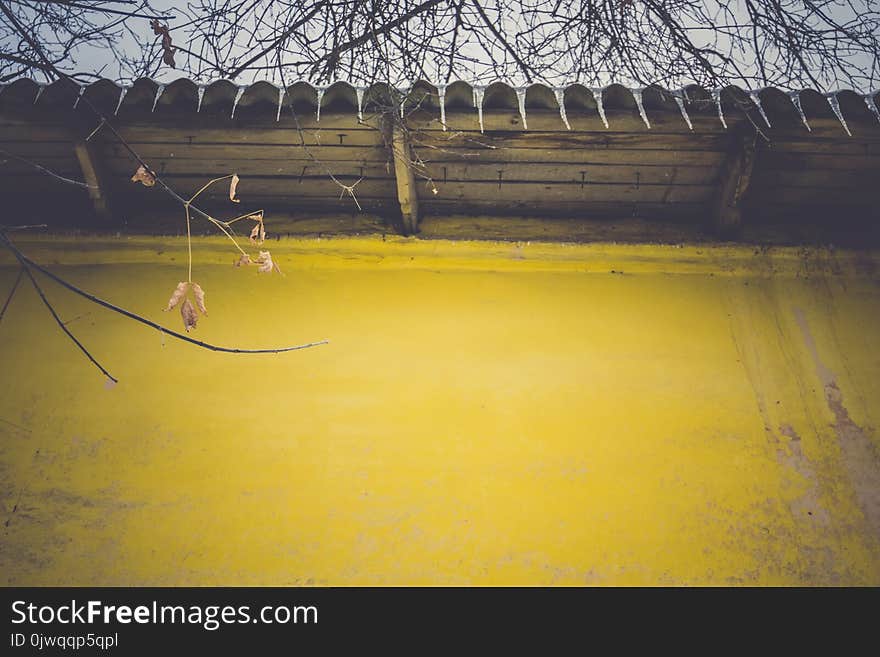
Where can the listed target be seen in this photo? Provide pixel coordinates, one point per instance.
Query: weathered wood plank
(735, 175)
(570, 173)
(354, 136)
(94, 176)
(581, 156)
(453, 171)
(830, 180)
(550, 120)
(231, 154)
(253, 189)
(574, 209)
(67, 166)
(34, 132)
(808, 196)
(571, 140)
(405, 179)
(545, 193)
(305, 169)
(378, 154)
(207, 122)
(778, 160)
(844, 146)
(825, 129)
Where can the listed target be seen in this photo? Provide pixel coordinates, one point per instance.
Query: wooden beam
(736, 173)
(406, 182)
(93, 176)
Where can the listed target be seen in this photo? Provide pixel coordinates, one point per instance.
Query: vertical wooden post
(736, 173)
(93, 176)
(406, 181)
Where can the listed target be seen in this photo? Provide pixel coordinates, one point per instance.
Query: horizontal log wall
(669, 172)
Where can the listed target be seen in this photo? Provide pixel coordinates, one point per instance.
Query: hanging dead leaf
(167, 49)
(233, 186)
(142, 175)
(266, 263)
(179, 293)
(244, 260)
(199, 295)
(258, 233)
(189, 314)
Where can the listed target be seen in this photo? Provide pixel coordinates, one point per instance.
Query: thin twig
(143, 320)
(95, 131)
(189, 250)
(64, 328)
(7, 229)
(246, 215)
(11, 293)
(302, 142)
(69, 181)
(208, 184)
(222, 225)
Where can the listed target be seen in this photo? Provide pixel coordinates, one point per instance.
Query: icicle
(872, 105)
(280, 103)
(679, 100)
(201, 93)
(79, 96)
(238, 95)
(637, 94)
(403, 97)
(40, 89)
(597, 94)
(441, 92)
(521, 99)
(716, 96)
(360, 96)
(122, 93)
(159, 91)
(835, 105)
(320, 92)
(757, 101)
(560, 99)
(478, 103)
(796, 101)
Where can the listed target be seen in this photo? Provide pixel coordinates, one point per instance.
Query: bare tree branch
(27, 262)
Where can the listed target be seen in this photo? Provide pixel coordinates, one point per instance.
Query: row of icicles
(680, 97)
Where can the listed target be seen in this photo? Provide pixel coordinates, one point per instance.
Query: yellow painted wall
(485, 413)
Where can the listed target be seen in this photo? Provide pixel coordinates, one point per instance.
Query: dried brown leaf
(189, 314)
(179, 293)
(142, 175)
(266, 263)
(199, 295)
(258, 232)
(244, 260)
(233, 186)
(167, 49)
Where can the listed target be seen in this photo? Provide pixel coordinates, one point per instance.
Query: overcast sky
(94, 59)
